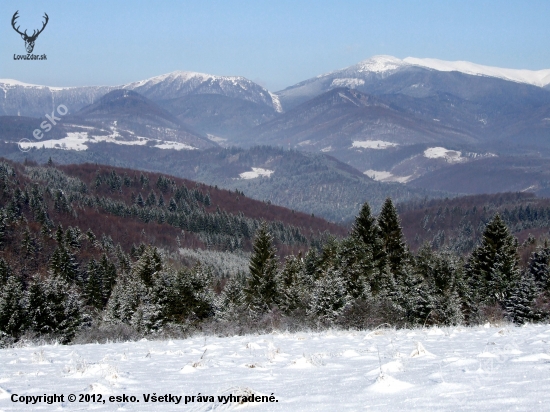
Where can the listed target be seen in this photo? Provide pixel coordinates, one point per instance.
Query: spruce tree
(443, 275)
(539, 267)
(520, 304)
(108, 275)
(261, 288)
(93, 290)
(291, 290)
(359, 270)
(493, 269)
(63, 264)
(365, 227)
(148, 265)
(329, 297)
(232, 299)
(393, 244)
(12, 309)
(53, 308)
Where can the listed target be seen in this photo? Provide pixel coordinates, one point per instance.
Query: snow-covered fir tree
(261, 288)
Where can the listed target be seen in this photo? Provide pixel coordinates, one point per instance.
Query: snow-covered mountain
(412, 76)
(539, 78)
(181, 83)
(35, 100)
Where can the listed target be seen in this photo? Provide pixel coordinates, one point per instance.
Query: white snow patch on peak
(442, 153)
(373, 144)
(535, 77)
(347, 82)
(379, 64)
(256, 172)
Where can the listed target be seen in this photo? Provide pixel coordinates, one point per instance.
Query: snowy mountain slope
(181, 83)
(35, 100)
(445, 369)
(416, 77)
(539, 78)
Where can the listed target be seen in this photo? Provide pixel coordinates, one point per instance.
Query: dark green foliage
(444, 280)
(12, 309)
(538, 267)
(121, 277)
(365, 227)
(53, 308)
(185, 295)
(395, 252)
(63, 264)
(93, 290)
(291, 288)
(493, 269)
(520, 305)
(328, 297)
(148, 266)
(261, 288)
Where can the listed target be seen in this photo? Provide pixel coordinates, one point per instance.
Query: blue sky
(275, 43)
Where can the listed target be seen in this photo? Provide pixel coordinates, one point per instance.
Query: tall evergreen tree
(329, 297)
(149, 264)
(393, 243)
(53, 307)
(365, 227)
(539, 267)
(94, 288)
(261, 288)
(291, 289)
(63, 264)
(229, 303)
(493, 269)
(520, 304)
(12, 309)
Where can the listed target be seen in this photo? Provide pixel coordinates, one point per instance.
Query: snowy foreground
(482, 368)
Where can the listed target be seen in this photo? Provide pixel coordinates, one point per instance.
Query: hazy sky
(275, 43)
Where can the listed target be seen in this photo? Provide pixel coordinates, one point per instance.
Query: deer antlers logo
(29, 40)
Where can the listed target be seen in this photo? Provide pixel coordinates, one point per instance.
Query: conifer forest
(92, 253)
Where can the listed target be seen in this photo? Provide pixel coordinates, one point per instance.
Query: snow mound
(390, 367)
(420, 351)
(533, 358)
(386, 384)
(4, 394)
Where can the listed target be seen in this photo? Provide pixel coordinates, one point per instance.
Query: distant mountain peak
(160, 87)
(379, 64)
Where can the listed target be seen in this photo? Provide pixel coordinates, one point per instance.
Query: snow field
(384, 176)
(456, 368)
(452, 156)
(256, 172)
(77, 141)
(373, 144)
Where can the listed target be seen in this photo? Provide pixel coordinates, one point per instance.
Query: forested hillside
(90, 253)
(310, 183)
(458, 223)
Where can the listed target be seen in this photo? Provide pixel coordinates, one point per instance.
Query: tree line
(59, 281)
